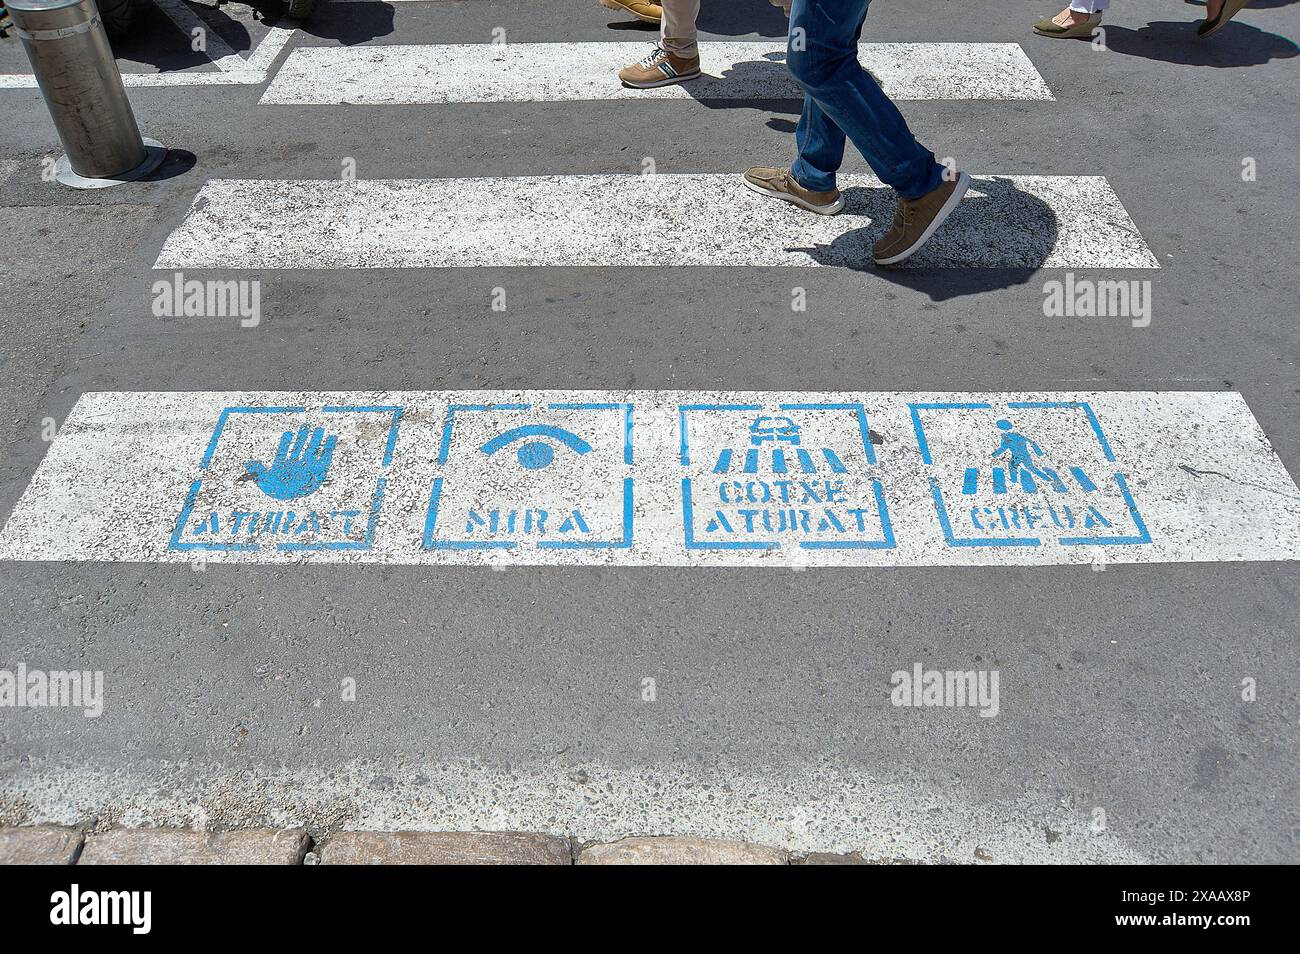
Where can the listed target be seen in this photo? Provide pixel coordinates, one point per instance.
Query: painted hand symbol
(297, 470)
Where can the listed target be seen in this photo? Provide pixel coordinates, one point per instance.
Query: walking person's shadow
(1253, 5)
(155, 39)
(999, 237)
(740, 19)
(725, 18)
(349, 23)
(1237, 44)
(763, 84)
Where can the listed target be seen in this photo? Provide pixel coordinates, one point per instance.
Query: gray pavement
(513, 699)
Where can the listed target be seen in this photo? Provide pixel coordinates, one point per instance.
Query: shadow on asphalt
(1253, 5)
(1003, 217)
(154, 38)
(634, 26)
(945, 284)
(740, 19)
(754, 74)
(348, 23)
(177, 163)
(731, 18)
(1237, 44)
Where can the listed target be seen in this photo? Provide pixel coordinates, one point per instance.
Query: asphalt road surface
(363, 174)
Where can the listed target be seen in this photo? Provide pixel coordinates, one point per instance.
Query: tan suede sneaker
(660, 68)
(917, 219)
(643, 10)
(779, 184)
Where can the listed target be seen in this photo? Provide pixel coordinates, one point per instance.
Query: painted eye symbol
(535, 454)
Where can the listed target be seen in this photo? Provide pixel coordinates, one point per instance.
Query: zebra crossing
(733, 476)
(562, 72)
(661, 220)
(231, 68)
(612, 477)
(659, 478)
(616, 220)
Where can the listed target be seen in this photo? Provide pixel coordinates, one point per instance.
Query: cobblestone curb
(176, 846)
(39, 845)
(442, 848)
(48, 844)
(680, 851)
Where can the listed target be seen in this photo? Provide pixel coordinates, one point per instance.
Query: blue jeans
(840, 97)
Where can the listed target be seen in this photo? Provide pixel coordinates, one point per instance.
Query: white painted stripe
(626, 220)
(552, 72)
(660, 478)
(246, 72)
(264, 54)
(154, 80)
(187, 21)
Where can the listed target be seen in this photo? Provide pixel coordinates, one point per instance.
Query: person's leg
(810, 182)
(677, 33)
(820, 145)
(823, 57)
(676, 58)
(818, 141)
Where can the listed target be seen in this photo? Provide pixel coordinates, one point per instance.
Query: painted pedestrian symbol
(801, 475)
(1018, 453)
(290, 478)
(551, 476)
(298, 470)
(1030, 472)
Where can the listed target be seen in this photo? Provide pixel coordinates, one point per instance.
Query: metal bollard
(78, 76)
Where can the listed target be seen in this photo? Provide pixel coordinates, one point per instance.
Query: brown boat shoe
(779, 184)
(917, 219)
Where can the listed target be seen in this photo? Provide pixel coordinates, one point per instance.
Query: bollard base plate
(155, 153)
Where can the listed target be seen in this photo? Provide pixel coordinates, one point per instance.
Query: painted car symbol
(774, 428)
